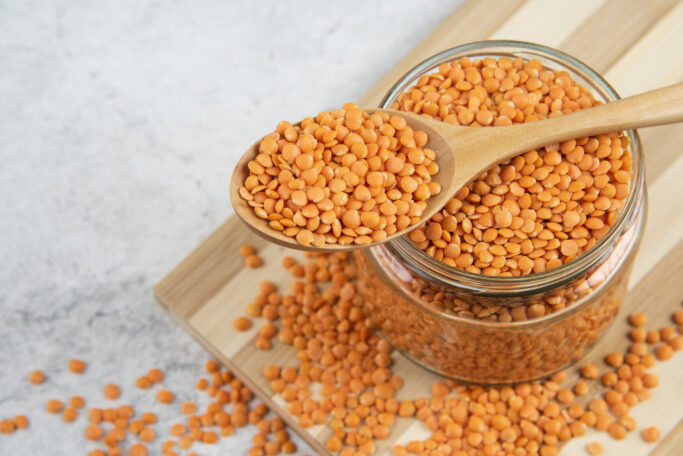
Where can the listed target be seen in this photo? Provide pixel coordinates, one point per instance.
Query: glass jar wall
(447, 319)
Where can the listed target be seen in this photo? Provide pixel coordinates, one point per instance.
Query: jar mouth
(589, 78)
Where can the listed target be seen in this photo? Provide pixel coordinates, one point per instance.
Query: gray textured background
(119, 125)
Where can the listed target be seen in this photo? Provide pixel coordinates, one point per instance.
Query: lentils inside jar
(539, 210)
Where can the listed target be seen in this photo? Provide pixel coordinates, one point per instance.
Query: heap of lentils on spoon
(540, 209)
(341, 177)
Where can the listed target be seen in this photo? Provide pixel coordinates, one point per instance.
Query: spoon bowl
(437, 142)
(462, 153)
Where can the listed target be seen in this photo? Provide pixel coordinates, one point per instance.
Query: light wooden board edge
(617, 33)
(670, 443)
(662, 287)
(657, 54)
(546, 22)
(273, 405)
(232, 225)
(456, 29)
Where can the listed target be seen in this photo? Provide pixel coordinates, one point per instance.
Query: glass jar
(437, 315)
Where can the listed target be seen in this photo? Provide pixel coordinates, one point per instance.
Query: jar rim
(449, 275)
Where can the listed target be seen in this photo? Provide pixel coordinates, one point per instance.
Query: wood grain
(488, 15)
(550, 23)
(210, 287)
(615, 33)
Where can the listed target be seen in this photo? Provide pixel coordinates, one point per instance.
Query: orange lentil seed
(651, 434)
(594, 449)
(77, 402)
(155, 375)
(246, 250)
(69, 414)
(138, 449)
(148, 418)
(241, 323)
(188, 408)
(93, 432)
(20, 421)
(6, 426)
(112, 391)
(54, 406)
(253, 261)
(77, 366)
(165, 396)
(147, 434)
(143, 382)
(36, 377)
(637, 320)
(589, 371)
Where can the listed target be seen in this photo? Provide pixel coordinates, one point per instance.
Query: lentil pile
(344, 379)
(341, 177)
(123, 430)
(402, 304)
(540, 209)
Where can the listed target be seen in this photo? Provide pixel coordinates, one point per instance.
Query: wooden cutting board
(637, 46)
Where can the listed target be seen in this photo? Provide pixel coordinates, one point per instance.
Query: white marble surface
(119, 124)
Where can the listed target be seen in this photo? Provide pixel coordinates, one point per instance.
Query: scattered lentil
(589, 371)
(112, 391)
(77, 402)
(6, 426)
(188, 408)
(241, 323)
(155, 375)
(69, 414)
(148, 418)
(651, 434)
(246, 250)
(664, 352)
(253, 261)
(54, 406)
(36, 377)
(93, 432)
(143, 382)
(77, 366)
(637, 320)
(20, 421)
(165, 396)
(594, 448)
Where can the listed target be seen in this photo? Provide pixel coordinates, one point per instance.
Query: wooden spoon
(463, 153)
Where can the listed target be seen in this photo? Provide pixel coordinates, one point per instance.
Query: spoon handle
(657, 107)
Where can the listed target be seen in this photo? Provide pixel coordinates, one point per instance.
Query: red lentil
(36, 377)
(165, 396)
(77, 366)
(20, 421)
(651, 434)
(594, 448)
(637, 320)
(241, 324)
(112, 391)
(54, 406)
